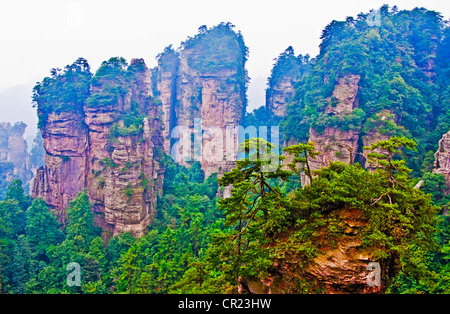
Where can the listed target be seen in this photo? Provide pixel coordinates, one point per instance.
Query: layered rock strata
(165, 89)
(64, 175)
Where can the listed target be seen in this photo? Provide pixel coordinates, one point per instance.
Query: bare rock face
(286, 71)
(208, 98)
(343, 265)
(344, 94)
(117, 163)
(335, 144)
(280, 95)
(165, 81)
(123, 176)
(202, 91)
(13, 153)
(63, 177)
(442, 160)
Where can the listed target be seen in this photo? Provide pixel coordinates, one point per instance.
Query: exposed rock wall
(165, 90)
(442, 160)
(336, 144)
(280, 95)
(286, 71)
(209, 97)
(63, 176)
(13, 153)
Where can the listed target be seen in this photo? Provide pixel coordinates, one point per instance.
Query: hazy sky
(37, 35)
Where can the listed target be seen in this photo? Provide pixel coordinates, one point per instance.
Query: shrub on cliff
(64, 91)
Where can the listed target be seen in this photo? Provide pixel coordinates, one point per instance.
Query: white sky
(36, 36)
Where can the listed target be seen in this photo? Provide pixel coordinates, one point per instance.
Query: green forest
(203, 243)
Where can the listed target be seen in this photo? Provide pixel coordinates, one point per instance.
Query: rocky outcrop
(13, 147)
(13, 154)
(63, 176)
(165, 90)
(280, 95)
(287, 70)
(442, 160)
(112, 143)
(208, 99)
(124, 174)
(343, 265)
(100, 150)
(216, 104)
(336, 144)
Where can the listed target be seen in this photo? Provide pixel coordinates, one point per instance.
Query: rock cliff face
(215, 103)
(342, 266)
(165, 89)
(13, 153)
(442, 160)
(100, 150)
(63, 177)
(336, 144)
(280, 95)
(287, 70)
(204, 91)
(123, 178)
(110, 141)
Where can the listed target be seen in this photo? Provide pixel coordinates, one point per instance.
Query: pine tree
(80, 221)
(22, 265)
(302, 154)
(254, 209)
(42, 229)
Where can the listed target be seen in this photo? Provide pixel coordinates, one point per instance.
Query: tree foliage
(64, 91)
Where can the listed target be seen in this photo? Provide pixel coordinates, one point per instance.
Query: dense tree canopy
(64, 91)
